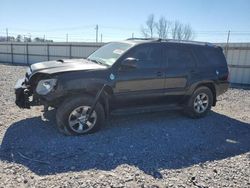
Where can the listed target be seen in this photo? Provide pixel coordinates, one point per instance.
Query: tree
(188, 32)
(27, 39)
(11, 39)
(148, 30)
(163, 27)
(181, 31)
(37, 39)
(19, 38)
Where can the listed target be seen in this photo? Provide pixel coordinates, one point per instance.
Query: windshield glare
(109, 53)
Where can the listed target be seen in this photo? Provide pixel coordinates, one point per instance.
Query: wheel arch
(91, 92)
(208, 84)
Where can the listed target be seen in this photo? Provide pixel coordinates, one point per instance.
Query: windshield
(109, 53)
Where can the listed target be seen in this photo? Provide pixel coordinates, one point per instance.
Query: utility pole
(228, 37)
(7, 34)
(96, 37)
(132, 35)
(101, 37)
(30, 40)
(67, 37)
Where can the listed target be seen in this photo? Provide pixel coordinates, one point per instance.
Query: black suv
(129, 76)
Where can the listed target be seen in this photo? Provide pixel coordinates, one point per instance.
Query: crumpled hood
(65, 65)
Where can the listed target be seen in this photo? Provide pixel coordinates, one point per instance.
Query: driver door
(147, 79)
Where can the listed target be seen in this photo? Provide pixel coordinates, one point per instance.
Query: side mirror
(129, 63)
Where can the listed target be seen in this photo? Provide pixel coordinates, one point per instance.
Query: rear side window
(210, 57)
(179, 57)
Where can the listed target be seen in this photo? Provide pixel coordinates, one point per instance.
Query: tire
(71, 114)
(194, 104)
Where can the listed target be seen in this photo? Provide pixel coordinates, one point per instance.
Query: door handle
(159, 74)
(193, 71)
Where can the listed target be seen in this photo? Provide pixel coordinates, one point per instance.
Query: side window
(179, 57)
(208, 56)
(148, 55)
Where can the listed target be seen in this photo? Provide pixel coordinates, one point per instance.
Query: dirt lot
(163, 149)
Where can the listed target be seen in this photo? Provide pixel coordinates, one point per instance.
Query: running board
(146, 109)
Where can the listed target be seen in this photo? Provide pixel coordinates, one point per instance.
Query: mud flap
(97, 97)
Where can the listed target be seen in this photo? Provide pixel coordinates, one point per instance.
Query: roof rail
(153, 39)
(188, 42)
(174, 40)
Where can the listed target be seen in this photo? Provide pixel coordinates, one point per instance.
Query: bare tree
(181, 31)
(188, 33)
(163, 27)
(144, 32)
(176, 30)
(148, 30)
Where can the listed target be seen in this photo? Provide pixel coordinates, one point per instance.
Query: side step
(145, 109)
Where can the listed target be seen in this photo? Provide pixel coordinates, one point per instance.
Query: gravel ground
(163, 149)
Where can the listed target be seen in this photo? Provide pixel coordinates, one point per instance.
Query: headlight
(45, 86)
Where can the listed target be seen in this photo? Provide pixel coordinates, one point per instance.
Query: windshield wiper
(98, 62)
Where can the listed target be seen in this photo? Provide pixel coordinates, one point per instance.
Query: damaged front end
(34, 90)
(23, 94)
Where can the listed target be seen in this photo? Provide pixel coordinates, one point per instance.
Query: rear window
(210, 57)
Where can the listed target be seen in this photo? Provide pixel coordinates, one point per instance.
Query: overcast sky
(210, 19)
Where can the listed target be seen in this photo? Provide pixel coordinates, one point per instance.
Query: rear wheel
(72, 116)
(199, 103)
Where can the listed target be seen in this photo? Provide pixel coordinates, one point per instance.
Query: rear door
(180, 68)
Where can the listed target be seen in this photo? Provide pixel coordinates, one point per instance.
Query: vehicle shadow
(165, 140)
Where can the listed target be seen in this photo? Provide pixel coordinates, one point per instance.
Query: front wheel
(199, 104)
(72, 115)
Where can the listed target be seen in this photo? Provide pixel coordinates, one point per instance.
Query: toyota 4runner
(130, 76)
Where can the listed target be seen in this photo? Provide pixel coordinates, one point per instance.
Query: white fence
(238, 59)
(28, 53)
(238, 55)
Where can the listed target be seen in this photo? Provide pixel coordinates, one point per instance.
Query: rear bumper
(22, 94)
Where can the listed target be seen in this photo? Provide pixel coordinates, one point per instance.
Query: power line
(54, 29)
(116, 35)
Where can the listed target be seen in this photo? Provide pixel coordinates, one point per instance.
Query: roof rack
(174, 41)
(153, 39)
(188, 42)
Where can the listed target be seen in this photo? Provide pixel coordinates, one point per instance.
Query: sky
(117, 20)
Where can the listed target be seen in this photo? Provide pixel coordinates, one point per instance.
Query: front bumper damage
(23, 94)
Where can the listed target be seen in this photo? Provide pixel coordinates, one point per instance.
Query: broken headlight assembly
(45, 86)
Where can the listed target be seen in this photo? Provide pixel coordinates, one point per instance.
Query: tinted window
(148, 55)
(210, 57)
(179, 57)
